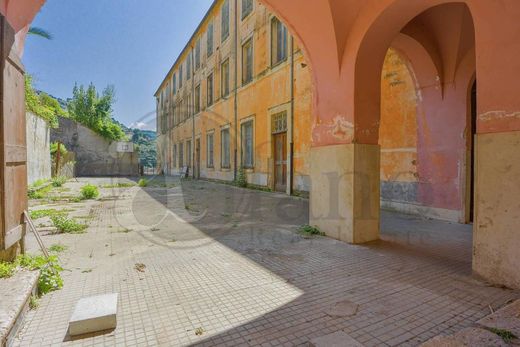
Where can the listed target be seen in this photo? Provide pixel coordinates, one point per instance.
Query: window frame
(222, 148)
(275, 45)
(249, 42)
(243, 124)
(210, 97)
(210, 39)
(245, 15)
(196, 100)
(210, 164)
(224, 34)
(197, 55)
(225, 82)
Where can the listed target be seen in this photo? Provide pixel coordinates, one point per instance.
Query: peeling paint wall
(398, 131)
(38, 148)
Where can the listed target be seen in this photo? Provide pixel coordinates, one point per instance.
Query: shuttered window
(225, 150)
(210, 89)
(224, 15)
(247, 8)
(247, 61)
(278, 41)
(224, 78)
(247, 144)
(210, 150)
(209, 39)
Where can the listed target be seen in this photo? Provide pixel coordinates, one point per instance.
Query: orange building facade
(238, 99)
(200, 126)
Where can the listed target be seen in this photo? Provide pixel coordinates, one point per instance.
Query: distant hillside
(146, 140)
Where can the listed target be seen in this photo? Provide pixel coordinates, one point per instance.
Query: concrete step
(94, 314)
(15, 293)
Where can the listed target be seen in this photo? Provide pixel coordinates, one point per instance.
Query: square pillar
(344, 198)
(496, 230)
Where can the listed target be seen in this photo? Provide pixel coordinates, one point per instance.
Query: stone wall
(38, 149)
(95, 156)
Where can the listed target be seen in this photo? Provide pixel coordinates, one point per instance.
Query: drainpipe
(191, 109)
(291, 138)
(235, 104)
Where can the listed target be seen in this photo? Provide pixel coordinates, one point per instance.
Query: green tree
(95, 111)
(42, 104)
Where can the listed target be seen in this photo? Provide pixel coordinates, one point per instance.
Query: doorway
(280, 161)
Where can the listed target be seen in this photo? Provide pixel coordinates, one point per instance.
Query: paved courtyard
(210, 264)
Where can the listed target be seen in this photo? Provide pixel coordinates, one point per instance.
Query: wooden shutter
(13, 150)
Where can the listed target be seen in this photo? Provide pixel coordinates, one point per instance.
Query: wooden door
(13, 149)
(280, 161)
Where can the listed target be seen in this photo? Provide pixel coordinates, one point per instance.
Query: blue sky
(128, 43)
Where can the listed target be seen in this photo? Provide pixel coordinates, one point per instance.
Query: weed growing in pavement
(310, 230)
(89, 191)
(67, 225)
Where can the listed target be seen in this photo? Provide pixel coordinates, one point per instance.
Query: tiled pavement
(225, 267)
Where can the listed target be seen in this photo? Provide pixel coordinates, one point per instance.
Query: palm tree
(40, 32)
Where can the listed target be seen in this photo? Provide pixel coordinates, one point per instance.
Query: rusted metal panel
(13, 157)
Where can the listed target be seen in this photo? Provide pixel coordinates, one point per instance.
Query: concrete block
(337, 339)
(94, 314)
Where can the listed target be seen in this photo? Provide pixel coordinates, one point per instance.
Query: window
(224, 15)
(224, 78)
(174, 83)
(225, 151)
(197, 99)
(174, 156)
(188, 153)
(181, 155)
(188, 67)
(278, 41)
(247, 61)
(209, 139)
(247, 144)
(279, 122)
(247, 8)
(197, 55)
(180, 76)
(210, 89)
(210, 39)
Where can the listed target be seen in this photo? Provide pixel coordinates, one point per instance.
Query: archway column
(344, 200)
(496, 232)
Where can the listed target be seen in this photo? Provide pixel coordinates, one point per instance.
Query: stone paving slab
(198, 263)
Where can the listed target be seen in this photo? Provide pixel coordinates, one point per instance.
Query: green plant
(118, 185)
(241, 180)
(310, 230)
(34, 302)
(42, 105)
(506, 335)
(142, 182)
(89, 191)
(67, 225)
(38, 192)
(50, 278)
(39, 183)
(37, 31)
(58, 181)
(57, 248)
(37, 214)
(7, 269)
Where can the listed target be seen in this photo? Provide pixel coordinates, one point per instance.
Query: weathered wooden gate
(13, 153)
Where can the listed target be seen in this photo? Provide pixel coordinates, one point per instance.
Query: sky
(130, 44)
